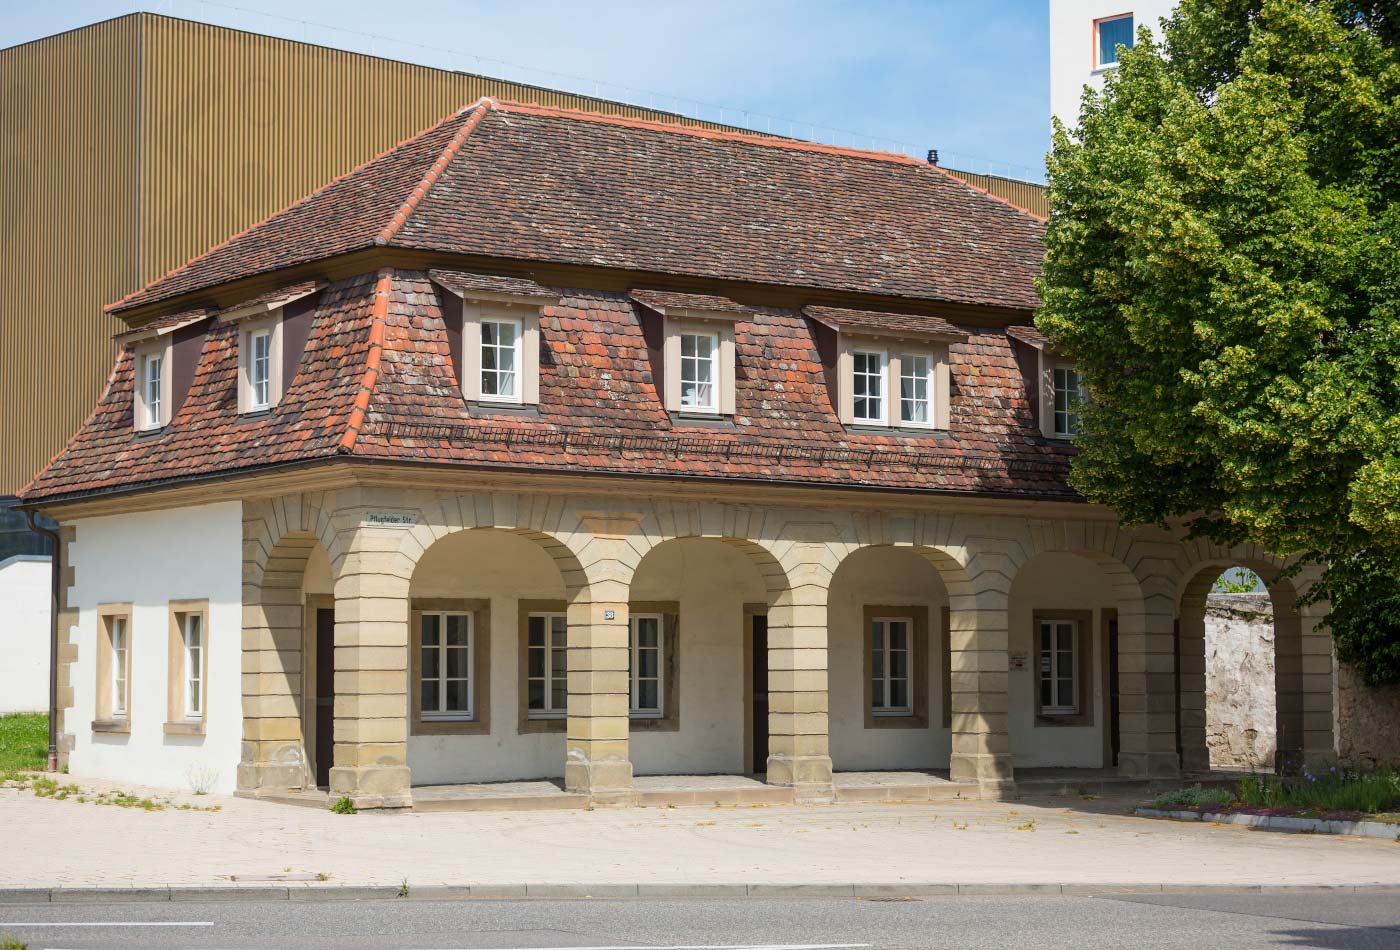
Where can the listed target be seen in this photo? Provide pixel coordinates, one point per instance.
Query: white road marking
(121, 923)
(723, 946)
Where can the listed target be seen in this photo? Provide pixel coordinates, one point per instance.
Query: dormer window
(1069, 394)
(916, 389)
(151, 402)
(698, 371)
(868, 369)
(260, 364)
(501, 344)
(690, 341)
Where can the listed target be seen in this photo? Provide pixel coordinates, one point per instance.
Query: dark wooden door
(1114, 737)
(325, 695)
(760, 693)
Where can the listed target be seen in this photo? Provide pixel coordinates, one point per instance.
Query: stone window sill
(184, 728)
(114, 726)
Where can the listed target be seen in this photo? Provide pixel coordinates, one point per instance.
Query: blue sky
(970, 79)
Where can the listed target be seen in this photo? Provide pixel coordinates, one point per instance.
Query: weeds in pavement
(44, 787)
(403, 888)
(344, 806)
(10, 943)
(1194, 797)
(1028, 826)
(201, 778)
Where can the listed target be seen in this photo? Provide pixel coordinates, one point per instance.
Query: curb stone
(856, 891)
(1324, 826)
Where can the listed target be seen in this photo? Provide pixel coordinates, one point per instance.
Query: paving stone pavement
(1050, 840)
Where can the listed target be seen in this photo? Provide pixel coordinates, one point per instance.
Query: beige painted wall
(711, 581)
(1055, 582)
(505, 569)
(885, 577)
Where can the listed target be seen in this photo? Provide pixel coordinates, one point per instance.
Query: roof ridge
(988, 193)
(430, 177)
(370, 378)
(750, 138)
(282, 210)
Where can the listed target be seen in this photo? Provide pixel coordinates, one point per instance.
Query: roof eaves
(478, 110)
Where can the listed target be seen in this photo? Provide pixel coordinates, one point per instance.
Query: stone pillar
(978, 641)
(371, 672)
(1191, 653)
(1147, 691)
(274, 752)
(597, 763)
(799, 753)
(1304, 677)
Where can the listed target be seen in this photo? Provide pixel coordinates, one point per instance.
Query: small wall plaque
(1018, 661)
(391, 519)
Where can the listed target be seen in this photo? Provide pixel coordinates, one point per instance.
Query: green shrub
(1194, 797)
(343, 806)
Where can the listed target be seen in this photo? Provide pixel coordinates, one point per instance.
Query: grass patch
(24, 742)
(1338, 792)
(1194, 797)
(343, 806)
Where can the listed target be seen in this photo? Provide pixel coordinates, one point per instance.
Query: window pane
(536, 694)
(430, 696)
(536, 663)
(899, 636)
(646, 631)
(1112, 33)
(899, 664)
(457, 695)
(431, 669)
(457, 662)
(457, 627)
(899, 694)
(646, 663)
(648, 692)
(432, 624)
(1045, 694)
(560, 696)
(560, 627)
(877, 693)
(1066, 697)
(560, 662)
(535, 625)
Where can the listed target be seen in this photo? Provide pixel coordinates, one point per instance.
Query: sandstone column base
(606, 782)
(1148, 765)
(372, 786)
(992, 772)
(808, 776)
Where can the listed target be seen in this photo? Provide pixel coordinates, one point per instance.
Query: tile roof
(467, 283)
(537, 184)
(926, 325)
(660, 300)
(279, 296)
(377, 382)
(1029, 336)
(166, 324)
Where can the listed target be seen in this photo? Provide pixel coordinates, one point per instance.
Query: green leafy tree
(1223, 262)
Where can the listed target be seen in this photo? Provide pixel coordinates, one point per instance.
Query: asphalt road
(1346, 922)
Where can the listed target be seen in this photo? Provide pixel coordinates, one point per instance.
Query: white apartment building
(1084, 38)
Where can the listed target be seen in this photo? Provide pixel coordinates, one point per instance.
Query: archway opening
(698, 660)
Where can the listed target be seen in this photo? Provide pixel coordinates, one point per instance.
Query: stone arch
(1303, 668)
(280, 537)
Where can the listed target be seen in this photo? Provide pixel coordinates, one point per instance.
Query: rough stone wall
(1240, 706)
(1368, 721)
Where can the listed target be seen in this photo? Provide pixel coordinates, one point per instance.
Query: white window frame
(634, 650)
(193, 623)
(883, 624)
(550, 673)
(119, 628)
(1097, 51)
(722, 388)
(896, 351)
(249, 399)
(516, 369)
(143, 419)
(930, 381)
(712, 336)
(1049, 666)
(881, 375)
(526, 316)
(261, 395)
(442, 714)
(1071, 413)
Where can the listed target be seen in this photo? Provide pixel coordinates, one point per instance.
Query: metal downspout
(55, 580)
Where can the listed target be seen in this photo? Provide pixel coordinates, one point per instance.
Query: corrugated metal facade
(1022, 194)
(129, 146)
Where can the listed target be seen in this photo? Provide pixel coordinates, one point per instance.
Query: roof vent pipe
(933, 156)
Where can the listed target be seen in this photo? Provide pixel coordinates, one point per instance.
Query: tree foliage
(1223, 262)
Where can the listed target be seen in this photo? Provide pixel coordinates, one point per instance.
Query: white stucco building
(1083, 36)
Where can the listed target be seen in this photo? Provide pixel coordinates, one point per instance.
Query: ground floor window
(188, 674)
(445, 668)
(891, 643)
(1059, 676)
(647, 647)
(546, 680)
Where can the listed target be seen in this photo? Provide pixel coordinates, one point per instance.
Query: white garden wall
(24, 633)
(149, 559)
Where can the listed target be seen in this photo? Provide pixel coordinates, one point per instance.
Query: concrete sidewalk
(1055, 843)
